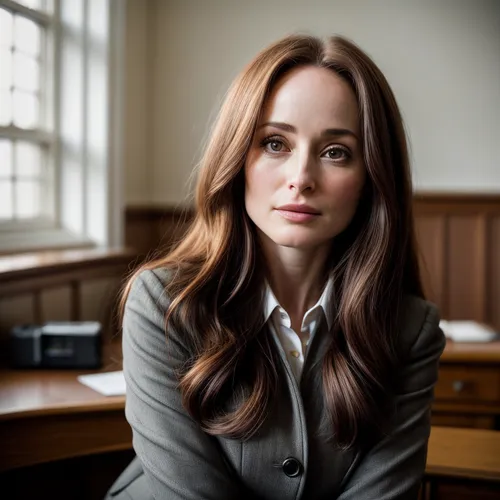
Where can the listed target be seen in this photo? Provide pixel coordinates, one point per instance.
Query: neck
(297, 276)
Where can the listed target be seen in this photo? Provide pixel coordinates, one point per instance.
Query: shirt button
(292, 467)
(295, 354)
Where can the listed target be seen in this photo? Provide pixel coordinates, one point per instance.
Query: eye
(273, 145)
(337, 153)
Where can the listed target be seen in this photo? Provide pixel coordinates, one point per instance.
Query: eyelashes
(271, 142)
(276, 145)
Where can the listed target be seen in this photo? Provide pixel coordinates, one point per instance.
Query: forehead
(312, 97)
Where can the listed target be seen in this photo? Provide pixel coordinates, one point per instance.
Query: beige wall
(137, 115)
(441, 58)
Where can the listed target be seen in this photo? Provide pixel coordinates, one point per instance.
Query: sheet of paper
(467, 331)
(109, 384)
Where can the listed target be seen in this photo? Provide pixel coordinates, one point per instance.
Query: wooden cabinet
(462, 463)
(467, 393)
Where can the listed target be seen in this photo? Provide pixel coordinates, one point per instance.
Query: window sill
(37, 239)
(39, 269)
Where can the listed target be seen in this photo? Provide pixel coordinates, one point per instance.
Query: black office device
(71, 344)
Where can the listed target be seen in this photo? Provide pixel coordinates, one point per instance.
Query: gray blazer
(287, 459)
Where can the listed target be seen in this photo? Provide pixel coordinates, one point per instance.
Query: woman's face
(304, 172)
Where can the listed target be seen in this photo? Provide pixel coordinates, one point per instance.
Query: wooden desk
(484, 353)
(462, 463)
(48, 415)
(464, 453)
(468, 389)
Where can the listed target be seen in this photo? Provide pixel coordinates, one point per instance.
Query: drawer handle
(458, 385)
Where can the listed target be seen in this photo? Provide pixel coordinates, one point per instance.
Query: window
(60, 136)
(27, 131)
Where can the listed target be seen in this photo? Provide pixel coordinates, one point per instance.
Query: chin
(298, 238)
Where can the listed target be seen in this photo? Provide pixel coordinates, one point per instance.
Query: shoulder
(146, 306)
(147, 291)
(418, 325)
(150, 282)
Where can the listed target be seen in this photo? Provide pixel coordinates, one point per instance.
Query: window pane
(5, 107)
(28, 159)
(6, 23)
(49, 6)
(32, 4)
(5, 200)
(43, 5)
(26, 72)
(26, 108)
(27, 199)
(5, 69)
(26, 36)
(5, 159)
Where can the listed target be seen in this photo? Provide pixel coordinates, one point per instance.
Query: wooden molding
(30, 272)
(456, 197)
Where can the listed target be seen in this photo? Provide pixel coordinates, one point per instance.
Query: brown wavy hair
(218, 270)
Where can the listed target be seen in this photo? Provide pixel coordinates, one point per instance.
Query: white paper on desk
(109, 384)
(467, 331)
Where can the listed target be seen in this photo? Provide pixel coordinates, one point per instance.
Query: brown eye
(337, 154)
(275, 146)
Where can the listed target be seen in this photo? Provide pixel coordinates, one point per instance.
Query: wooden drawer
(468, 383)
(463, 420)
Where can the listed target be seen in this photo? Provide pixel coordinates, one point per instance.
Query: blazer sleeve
(180, 461)
(393, 468)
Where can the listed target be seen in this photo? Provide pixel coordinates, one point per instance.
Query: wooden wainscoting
(458, 236)
(151, 230)
(459, 240)
(71, 285)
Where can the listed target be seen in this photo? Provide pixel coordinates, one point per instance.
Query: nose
(301, 176)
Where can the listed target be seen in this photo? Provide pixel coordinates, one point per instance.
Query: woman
(283, 350)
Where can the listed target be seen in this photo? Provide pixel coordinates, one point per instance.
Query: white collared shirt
(295, 348)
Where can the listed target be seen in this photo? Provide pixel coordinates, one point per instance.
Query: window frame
(44, 134)
(18, 236)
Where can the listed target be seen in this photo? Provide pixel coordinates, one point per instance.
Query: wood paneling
(459, 240)
(459, 246)
(152, 229)
(433, 246)
(17, 310)
(55, 304)
(493, 290)
(97, 295)
(465, 267)
(55, 286)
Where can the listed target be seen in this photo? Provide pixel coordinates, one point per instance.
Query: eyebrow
(327, 132)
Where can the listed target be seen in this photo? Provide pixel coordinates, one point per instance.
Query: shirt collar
(271, 302)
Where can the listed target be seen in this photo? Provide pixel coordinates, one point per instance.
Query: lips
(299, 208)
(298, 214)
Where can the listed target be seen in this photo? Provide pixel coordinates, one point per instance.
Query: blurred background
(105, 106)
(440, 57)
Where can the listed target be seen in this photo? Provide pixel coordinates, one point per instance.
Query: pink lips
(298, 213)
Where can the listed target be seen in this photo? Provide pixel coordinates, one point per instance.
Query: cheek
(345, 191)
(254, 191)
(260, 184)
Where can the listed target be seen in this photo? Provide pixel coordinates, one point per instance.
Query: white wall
(441, 57)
